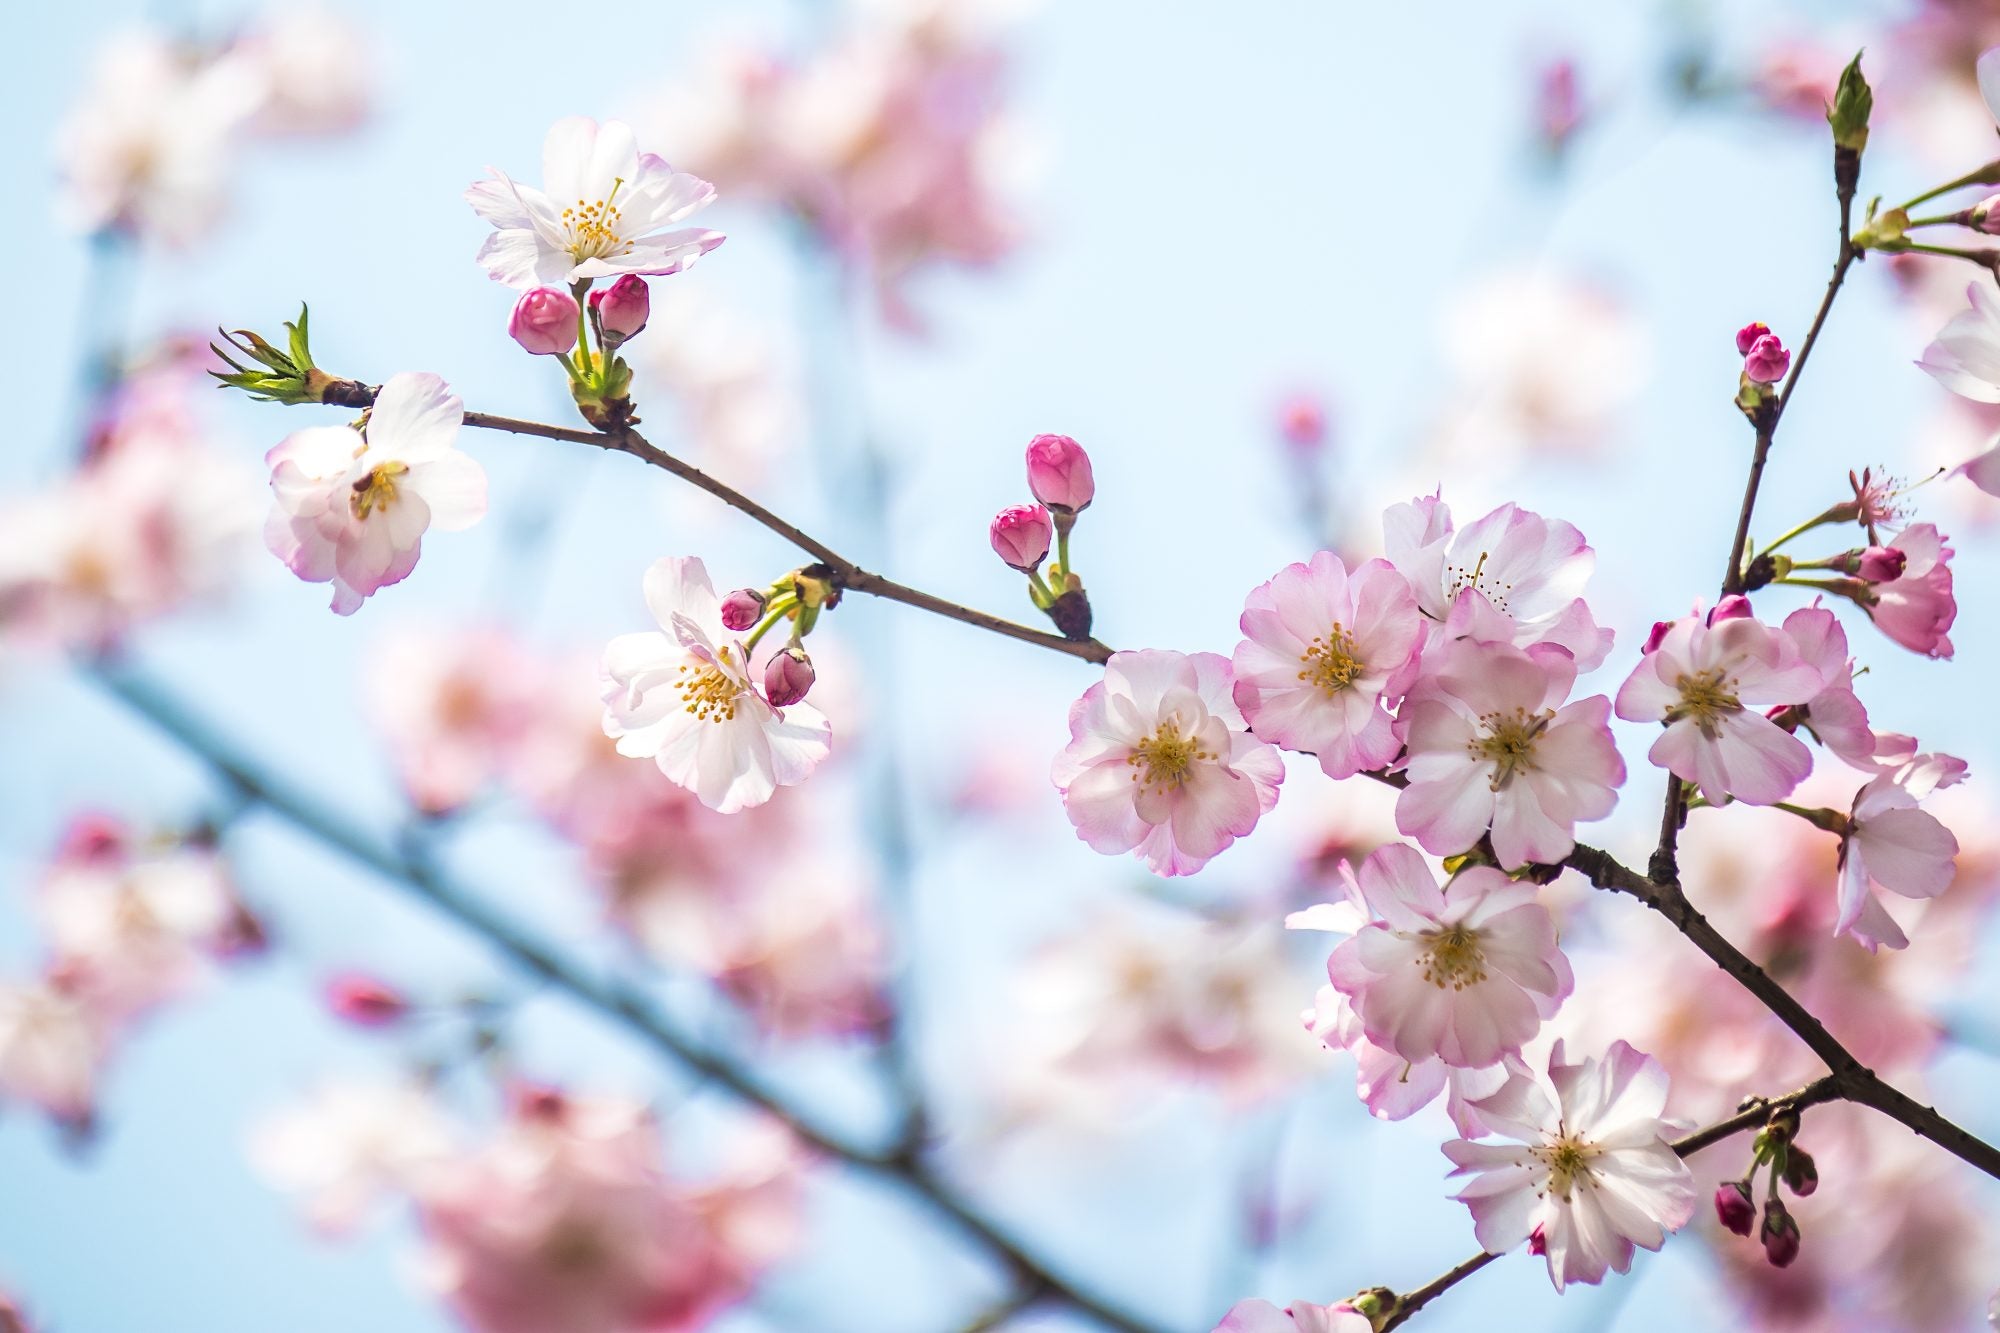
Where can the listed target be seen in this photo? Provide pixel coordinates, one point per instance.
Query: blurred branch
(625, 1005)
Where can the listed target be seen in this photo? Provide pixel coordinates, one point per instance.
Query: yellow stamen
(1509, 742)
(1163, 759)
(1330, 662)
(375, 491)
(1451, 959)
(1705, 697)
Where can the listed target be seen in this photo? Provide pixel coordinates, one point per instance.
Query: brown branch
(626, 1006)
(845, 572)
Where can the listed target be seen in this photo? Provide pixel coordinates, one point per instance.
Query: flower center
(593, 226)
(708, 692)
(375, 491)
(1705, 697)
(1509, 742)
(1457, 578)
(1329, 660)
(1451, 959)
(1163, 759)
(1568, 1160)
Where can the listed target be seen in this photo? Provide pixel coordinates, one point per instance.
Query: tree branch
(626, 1006)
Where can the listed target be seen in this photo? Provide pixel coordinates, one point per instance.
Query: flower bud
(1880, 564)
(1735, 1207)
(544, 321)
(787, 677)
(1059, 473)
(1302, 422)
(1853, 100)
(1661, 628)
(1020, 536)
(1985, 215)
(1779, 1235)
(362, 1000)
(1767, 360)
(1801, 1172)
(1747, 336)
(622, 308)
(1733, 607)
(742, 609)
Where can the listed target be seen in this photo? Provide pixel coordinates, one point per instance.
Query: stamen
(1451, 959)
(1330, 662)
(1509, 741)
(708, 692)
(1706, 696)
(1164, 758)
(375, 491)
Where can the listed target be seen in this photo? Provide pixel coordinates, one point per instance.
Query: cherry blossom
(1159, 762)
(452, 708)
(1392, 1087)
(352, 1145)
(1525, 567)
(1704, 683)
(567, 1219)
(53, 1044)
(1326, 654)
(685, 697)
(1965, 355)
(1298, 1317)
(1594, 1173)
(1891, 843)
(1835, 716)
(1493, 745)
(1464, 974)
(352, 509)
(1917, 608)
(316, 71)
(624, 202)
(147, 148)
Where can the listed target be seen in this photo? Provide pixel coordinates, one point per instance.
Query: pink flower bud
(1059, 473)
(1780, 1234)
(1020, 536)
(1302, 422)
(544, 321)
(364, 1001)
(92, 837)
(1735, 1207)
(1801, 1172)
(787, 677)
(1733, 607)
(1767, 360)
(1985, 215)
(1881, 564)
(1660, 631)
(1747, 336)
(622, 308)
(742, 609)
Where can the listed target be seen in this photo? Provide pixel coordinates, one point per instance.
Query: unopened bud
(1734, 1206)
(1779, 1235)
(1660, 630)
(1984, 215)
(544, 321)
(1747, 336)
(1302, 421)
(1733, 607)
(1767, 360)
(1376, 1303)
(364, 1001)
(1059, 473)
(622, 308)
(1801, 1172)
(1879, 564)
(787, 677)
(1020, 535)
(1853, 101)
(742, 609)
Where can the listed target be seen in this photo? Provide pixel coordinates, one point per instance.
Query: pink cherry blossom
(1835, 716)
(544, 321)
(684, 696)
(1892, 844)
(567, 1220)
(1020, 536)
(1159, 762)
(623, 308)
(1464, 974)
(1767, 360)
(1298, 1317)
(603, 210)
(1917, 608)
(1326, 654)
(1965, 355)
(1594, 1173)
(347, 1147)
(1391, 1087)
(352, 509)
(1704, 683)
(315, 69)
(452, 708)
(53, 1045)
(1527, 568)
(1059, 474)
(1493, 745)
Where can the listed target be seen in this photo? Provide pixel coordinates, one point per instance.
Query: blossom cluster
(127, 925)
